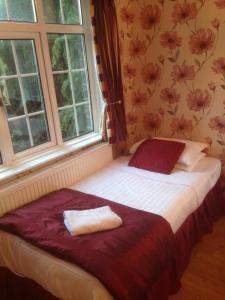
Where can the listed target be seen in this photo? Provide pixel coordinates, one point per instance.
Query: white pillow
(191, 150)
(134, 147)
(193, 165)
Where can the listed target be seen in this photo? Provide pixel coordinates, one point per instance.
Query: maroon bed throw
(127, 260)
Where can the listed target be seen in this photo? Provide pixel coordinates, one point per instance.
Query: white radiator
(54, 177)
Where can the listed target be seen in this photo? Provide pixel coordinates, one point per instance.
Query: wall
(173, 62)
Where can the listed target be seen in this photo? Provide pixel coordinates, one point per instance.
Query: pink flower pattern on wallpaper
(185, 12)
(129, 71)
(183, 72)
(199, 100)
(174, 69)
(132, 118)
(170, 95)
(202, 41)
(212, 86)
(152, 122)
(217, 123)
(171, 40)
(151, 73)
(127, 15)
(138, 99)
(150, 16)
(137, 48)
(220, 3)
(219, 65)
(181, 126)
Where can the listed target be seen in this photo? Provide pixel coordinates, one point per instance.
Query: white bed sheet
(173, 196)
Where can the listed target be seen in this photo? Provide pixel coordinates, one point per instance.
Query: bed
(189, 201)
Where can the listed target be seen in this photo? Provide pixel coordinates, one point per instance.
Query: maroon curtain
(108, 59)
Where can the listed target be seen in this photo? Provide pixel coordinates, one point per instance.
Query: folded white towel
(91, 220)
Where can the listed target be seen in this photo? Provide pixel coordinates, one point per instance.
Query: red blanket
(127, 260)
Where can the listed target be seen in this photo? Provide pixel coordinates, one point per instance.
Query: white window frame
(38, 32)
(11, 156)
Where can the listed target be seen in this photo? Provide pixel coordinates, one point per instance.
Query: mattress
(173, 196)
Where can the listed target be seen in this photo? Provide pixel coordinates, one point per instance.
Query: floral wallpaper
(173, 63)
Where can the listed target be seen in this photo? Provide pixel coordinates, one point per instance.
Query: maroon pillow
(157, 155)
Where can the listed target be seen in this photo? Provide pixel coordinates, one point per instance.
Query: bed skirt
(195, 226)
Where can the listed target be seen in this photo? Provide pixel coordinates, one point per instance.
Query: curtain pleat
(104, 23)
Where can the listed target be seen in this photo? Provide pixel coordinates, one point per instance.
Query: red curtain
(109, 67)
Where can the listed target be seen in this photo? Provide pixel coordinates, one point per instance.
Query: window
(22, 94)
(48, 86)
(71, 81)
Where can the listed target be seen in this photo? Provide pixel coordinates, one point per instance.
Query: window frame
(38, 32)
(43, 80)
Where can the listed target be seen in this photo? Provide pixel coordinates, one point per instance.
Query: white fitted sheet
(173, 196)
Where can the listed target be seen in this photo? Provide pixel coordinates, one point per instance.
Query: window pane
(23, 98)
(71, 84)
(71, 10)
(7, 63)
(62, 11)
(3, 13)
(26, 56)
(76, 51)
(32, 93)
(19, 11)
(39, 129)
(84, 119)
(19, 135)
(63, 89)
(52, 11)
(57, 46)
(80, 86)
(12, 97)
(67, 120)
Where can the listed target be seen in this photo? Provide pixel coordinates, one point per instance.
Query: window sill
(25, 166)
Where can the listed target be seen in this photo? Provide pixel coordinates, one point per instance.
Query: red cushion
(157, 155)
